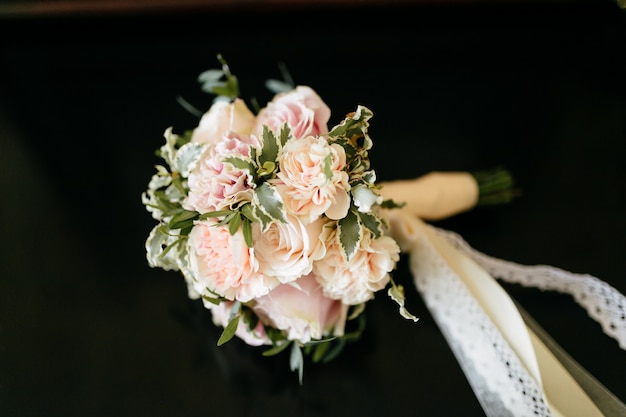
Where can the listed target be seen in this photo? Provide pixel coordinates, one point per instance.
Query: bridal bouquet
(275, 220)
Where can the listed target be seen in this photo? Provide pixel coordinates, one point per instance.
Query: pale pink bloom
(355, 281)
(217, 185)
(302, 109)
(302, 311)
(223, 264)
(221, 118)
(287, 250)
(308, 191)
(220, 314)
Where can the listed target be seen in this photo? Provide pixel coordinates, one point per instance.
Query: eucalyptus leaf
(296, 361)
(210, 76)
(277, 86)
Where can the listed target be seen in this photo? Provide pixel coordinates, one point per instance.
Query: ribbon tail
(513, 368)
(604, 399)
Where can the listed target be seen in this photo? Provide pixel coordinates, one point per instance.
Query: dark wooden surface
(87, 328)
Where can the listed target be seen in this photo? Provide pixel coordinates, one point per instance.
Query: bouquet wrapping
(276, 222)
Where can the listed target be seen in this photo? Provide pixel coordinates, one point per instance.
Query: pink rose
(302, 109)
(223, 264)
(222, 118)
(301, 309)
(355, 281)
(287, 250)
(312, 180)
(217, 185)
(220, 314)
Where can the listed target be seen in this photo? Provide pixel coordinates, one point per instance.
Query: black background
(87, 328)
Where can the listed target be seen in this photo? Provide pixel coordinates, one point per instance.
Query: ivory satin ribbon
(463, 297)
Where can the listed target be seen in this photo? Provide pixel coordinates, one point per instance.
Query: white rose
(222, 118)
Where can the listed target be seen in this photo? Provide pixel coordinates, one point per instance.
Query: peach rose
(221, 118)
(355, 281)
(301, 309)
(217, 185)
(287, 250)
(308, 185)
(223, 263)
(302, 109)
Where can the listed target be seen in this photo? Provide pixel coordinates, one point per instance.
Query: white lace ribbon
(513, 368)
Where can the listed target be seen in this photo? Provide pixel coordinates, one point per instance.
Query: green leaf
(171, 246)
(233, 225)
(390, 204)
(268, 199)
(276, 349)
(247, 212)
(227, 219)
(372, 223)
(247, 232)
(267, 170)
(164, 204)
(320, 350)
(349, 231)
(285, 134)
(216, 213)
(183, 218)
(212, 300)
(269, 152)
(337, 348)
(229, 330)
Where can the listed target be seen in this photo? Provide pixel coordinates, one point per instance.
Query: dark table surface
(88, 329)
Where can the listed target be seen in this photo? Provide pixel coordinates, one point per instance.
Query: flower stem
(495, 186)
